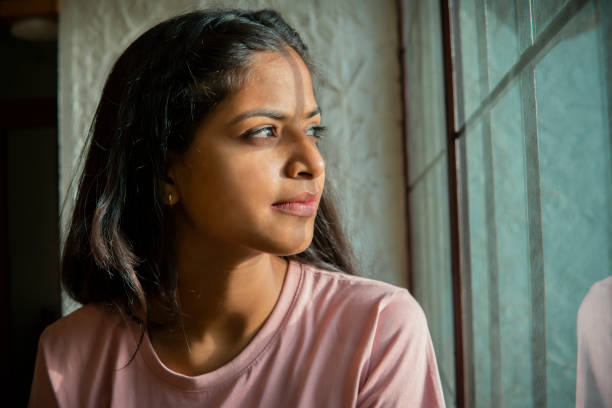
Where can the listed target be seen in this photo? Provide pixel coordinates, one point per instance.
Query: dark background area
(29, 285)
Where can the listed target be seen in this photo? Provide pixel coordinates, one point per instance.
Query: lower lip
(307, 209)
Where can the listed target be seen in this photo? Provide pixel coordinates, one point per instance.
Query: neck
(226, 295)
(225, 292)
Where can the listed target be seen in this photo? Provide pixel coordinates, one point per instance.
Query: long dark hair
(160, 88)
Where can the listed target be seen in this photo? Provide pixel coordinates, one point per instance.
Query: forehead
(279, 80)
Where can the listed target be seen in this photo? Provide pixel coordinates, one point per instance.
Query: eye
(261, 133)
(316, 131)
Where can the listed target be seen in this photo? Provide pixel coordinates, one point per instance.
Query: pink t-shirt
(332, 340)
(594, 367)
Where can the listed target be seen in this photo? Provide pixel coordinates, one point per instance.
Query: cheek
(249, 183)
(230, 197)
(231, 191)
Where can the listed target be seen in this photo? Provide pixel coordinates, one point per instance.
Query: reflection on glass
(576, 187)
(594, 365)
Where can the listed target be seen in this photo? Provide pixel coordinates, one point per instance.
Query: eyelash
(254, 132)
(318, 132)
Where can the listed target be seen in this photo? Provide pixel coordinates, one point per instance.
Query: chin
(285, 247)
(295, 251)
(287, 250)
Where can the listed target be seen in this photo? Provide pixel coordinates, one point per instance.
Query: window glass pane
(479, 267)
(575, 166)
(427, 119)
(544, 11)
(432, 283)
(499, 258)
(472, 79)
(508, 153)
(570, 182)
(502, 37)
(489, 47)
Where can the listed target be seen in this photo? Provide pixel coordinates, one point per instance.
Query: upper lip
(305, 197)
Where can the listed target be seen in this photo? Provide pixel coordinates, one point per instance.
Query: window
(521, 177)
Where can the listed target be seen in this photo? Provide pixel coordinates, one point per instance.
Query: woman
(207, 253)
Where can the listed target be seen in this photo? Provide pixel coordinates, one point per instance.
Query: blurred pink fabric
(332, 340)
(594, 368)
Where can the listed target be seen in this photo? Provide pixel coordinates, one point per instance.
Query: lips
(303, 205)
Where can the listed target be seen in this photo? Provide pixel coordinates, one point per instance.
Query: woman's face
(254, 152)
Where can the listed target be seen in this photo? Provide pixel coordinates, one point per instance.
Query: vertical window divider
(534, 208)
(454, 203)
(465, 278)
(534, 217)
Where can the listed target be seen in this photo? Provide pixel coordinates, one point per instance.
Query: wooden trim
(16, 9)
(453, 193)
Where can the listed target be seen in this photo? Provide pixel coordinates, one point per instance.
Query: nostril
(305, 173)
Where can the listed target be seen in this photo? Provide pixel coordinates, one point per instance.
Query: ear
(170, 188)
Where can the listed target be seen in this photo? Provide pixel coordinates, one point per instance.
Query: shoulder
(364, 290)
(386, 305)
(599, 297)
(83, 331)
(83, 350)
(600, 291)
(87, 318)
(385, 327)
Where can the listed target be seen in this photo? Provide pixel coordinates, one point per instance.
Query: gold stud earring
(170, 199)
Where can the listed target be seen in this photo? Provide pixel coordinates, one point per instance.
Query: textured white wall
(354, 44)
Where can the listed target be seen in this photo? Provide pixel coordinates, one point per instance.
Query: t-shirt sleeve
(41, 393)
(402, 369)
(594, 361)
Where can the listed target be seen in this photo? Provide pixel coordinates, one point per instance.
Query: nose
(305, 160)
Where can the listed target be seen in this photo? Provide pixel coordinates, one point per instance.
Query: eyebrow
(269, 114)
